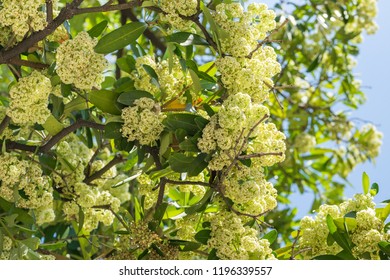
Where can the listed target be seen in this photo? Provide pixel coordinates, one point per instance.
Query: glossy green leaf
(203, 236)
(201, 205)
(112, 130)
(385, 247)
(182, 121)
(53, 246)
(98, 29)
(186, 39)
(77, 104)
(120, 38)
(128, 98)
(158, 216)
(374, 190)
(365, 182)
(105, 100)
(188, 164)
(52, 125)
(271, 236)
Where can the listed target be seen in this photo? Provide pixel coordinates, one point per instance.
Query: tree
(172, 129)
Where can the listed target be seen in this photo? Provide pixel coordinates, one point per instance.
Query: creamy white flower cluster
(243, 28)
(304, 142)
(18, 18)
(226, 132)
(29, 100)
(171, 81)
(250, 192)
(5, 249)
(22, 182)
(366, 11)
(373, 142)
(73, 157)
(79, 64)
(234, 241)
(366, 233)
(250, 75)
(174, 11)
(142, 121)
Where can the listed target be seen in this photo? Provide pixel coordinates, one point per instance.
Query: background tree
(172, 129)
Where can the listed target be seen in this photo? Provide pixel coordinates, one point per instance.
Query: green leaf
(195, 82)
(189, 145)
(128, 98)
(31, 243)
(186, 39)
(161, 173)
(374, 190)
(48, 163)
(203, 236)
(314, 63)
(157, 217)
(112, 130)
(385, 212)
(182, 121)
(98, 29)
(341, 238)
(120, 38)
(126, 64)
(365, 182)
(53, 246)
(52, 125)
(105, 100)
(201, 205)
(188, 164)
(385, 247)
(327, 257)
(185, 246)
(77, 104)
(271, 236)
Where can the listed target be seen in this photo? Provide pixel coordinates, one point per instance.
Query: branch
(117, 159)
(156, 41)
(4, 123)
(169, 181)
(108, 8)
(49, 11)
(11, 145)
(21, 62)
(65, 14)
(267, 39)
(260, 155)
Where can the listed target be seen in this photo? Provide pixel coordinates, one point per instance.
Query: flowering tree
(173, 129)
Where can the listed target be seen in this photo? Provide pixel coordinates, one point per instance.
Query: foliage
(173, 129)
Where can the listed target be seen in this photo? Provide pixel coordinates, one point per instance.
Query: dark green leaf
(188, 145)
(126, 64)
(105, 100)
(314, 64)
(112, 130)
(374, 189)
(157, 217)
(182, 120)
(187, 164)
(271, 236)
(98, 29)
(213, 255)
(385, 247)
(327, 257)
(203, 236)
(53, 246)
(120, 38)
(186, 39)
(128, 98)
(201, 205)
(48, 163)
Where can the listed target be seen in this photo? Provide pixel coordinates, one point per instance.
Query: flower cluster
(18, 18)
(142, 121)
(96, 201)
(176, 11)
(29, 100)
(79, 64)
(243, 28)
(23, 183)
(5, 248)
(366, 11)
(249, 191)
(365, 231)
(250, 75)
(227, 130)
(304, 142)
(172, 80)
(372, 140)
(234, 241)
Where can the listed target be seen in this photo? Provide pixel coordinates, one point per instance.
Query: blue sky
(373, 70)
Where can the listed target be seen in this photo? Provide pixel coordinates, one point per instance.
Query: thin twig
(173, 182)
(117, 159)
